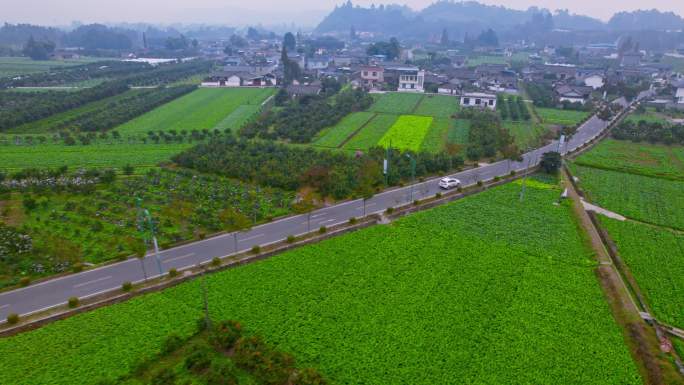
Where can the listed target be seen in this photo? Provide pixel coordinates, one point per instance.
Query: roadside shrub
(77, 267)
(459, 189)
(497, 178)
(24, 281)
(216, 262)
(322, 230)
(222, 372)
(512, 173)
(73, 302)
(13, 319)
(225, 334)
(126, 286)
(389, 210)
(438, 195)
(171, 344)
(199, 358)
(352, 220)
(256, 249)
(173, 272)
(479, 183)
(291, 239)
(416, 202)
(201, 235)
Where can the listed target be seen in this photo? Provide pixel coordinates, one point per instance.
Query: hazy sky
(267, 12)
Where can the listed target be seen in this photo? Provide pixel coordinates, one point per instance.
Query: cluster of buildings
(572, 81)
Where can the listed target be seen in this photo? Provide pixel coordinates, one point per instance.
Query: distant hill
(472, 17)
(646, 20)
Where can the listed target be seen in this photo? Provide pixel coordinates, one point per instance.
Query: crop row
(396, 103)
(647, 199)
(407, 133)
(437, 106)
(442, 296)
(371, 133)
(336, 135)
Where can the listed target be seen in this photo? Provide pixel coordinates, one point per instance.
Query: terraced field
(142, 156)
(464, 300)
(336, 136)
(397, 103)
(206, 108)
(371, 133)
(407, 133)
(13, 66)
(438, 106)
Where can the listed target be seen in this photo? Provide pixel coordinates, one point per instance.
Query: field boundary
(353, 134)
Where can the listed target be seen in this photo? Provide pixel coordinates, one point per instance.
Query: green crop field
(202, 109)
(397, 103)
(526, 134)
(407, 133)
(650, 116)
(141, 156)
(636, 158)
(441, 106)
(458, 132)
(337, 135)
(13, 66)
(443, 296)
(436, 137)
(647, 199)
(561, 117)
(655, 257)
(371, 133)
(238, 118)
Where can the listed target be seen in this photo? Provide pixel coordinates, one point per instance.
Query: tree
(291, 70)
(488, 38)
(38, 50)
(444, 40)
(253, 34)
(352, 33)
(238, 41)
(289, 42)
(390, 49)
(551, 162)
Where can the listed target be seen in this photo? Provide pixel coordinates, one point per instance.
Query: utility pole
(522, 191)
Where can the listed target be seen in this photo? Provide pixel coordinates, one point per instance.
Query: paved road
(54, 292)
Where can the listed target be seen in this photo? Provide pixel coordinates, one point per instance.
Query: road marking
(3, 306)
(329, 220)
(179, 257)
(93, 281)
(252, 237)
(318, 215)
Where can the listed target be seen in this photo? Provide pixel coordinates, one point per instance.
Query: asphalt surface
(51, 293)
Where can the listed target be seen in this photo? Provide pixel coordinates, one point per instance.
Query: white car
(449, 183)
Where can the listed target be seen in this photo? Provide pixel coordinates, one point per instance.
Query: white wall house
(480, 100)
(594, 81)
(679, 94)
(411, 79)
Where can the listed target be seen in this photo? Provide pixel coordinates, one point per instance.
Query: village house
(372, 76)
(411, 79)
(478, 99)
(679, 93)
(573, 94)
(242, 76)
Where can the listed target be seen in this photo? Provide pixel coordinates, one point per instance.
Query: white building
(411, 79)
(679, 94)
(478, 99)
(594, 81)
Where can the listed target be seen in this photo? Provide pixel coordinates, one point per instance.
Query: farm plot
(100, 225)
(388, 304)
(142, 156)
(396, 103)
(525, 134)
(646, 199)
(336, 136)
(655, 257)
(436, 137)
(561, 117)
(437, 106)
(202, 109)
(407, 133)
(238, 118)
(13, 66)
(458, 132)
(371, 133)
(649, 116)
(636, 158)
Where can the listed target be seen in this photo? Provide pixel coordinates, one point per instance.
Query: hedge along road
(55, 292)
